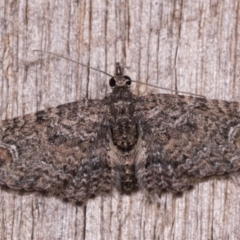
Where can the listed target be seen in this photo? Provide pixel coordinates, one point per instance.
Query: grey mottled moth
(154, 143)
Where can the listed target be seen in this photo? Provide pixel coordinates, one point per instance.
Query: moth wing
(57, 151)
(186, 140)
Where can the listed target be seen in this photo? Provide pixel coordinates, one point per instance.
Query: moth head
(123, 81)
(119, 80)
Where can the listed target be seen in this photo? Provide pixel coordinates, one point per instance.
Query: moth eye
(129, 81)
(112, 82)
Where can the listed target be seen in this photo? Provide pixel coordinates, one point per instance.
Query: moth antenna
(84, 65)
(151, 85)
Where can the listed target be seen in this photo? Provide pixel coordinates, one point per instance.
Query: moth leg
(141, 158)
(114, 161)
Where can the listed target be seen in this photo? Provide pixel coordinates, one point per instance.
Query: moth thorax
(124, 135)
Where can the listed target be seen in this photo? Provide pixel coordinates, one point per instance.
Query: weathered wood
(193, 45)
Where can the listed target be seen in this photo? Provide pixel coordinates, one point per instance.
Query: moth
(152, 143)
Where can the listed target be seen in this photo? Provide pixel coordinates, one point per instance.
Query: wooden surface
(193, 46)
